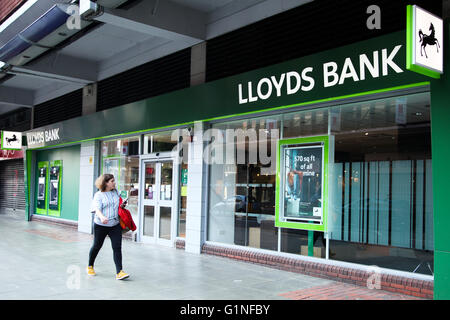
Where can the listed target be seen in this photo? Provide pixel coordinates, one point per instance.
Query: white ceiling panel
(103, 43)
(26, 82)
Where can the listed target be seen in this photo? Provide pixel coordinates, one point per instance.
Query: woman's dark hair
(101, 181)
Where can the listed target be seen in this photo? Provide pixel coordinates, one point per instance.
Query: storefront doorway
(158, 205)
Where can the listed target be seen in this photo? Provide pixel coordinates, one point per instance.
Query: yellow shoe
(90, 271)
(122, 275)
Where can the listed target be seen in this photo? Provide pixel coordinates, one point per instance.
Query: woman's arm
(100, 215)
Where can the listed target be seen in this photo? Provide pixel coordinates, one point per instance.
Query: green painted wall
(440, 134)
(70, 182)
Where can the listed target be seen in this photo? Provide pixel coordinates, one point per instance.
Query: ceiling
(120, 39)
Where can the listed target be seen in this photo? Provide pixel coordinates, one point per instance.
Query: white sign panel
(36, 139)
(11, 140)
(428, 35)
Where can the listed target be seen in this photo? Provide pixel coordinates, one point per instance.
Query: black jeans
(115, 234)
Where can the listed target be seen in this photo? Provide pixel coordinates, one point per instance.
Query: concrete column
(196, 194)
(88, 174)
(89, 99)
(198, 64)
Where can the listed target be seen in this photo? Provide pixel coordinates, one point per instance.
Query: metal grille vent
(313, 27)
(160, 76)
(59, 109)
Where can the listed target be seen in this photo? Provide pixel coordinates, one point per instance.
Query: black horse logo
(9, 140)
(428, 40)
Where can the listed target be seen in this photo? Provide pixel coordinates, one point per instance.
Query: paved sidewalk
(47, 262)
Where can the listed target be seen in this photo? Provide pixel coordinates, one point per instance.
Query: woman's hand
(104, 219)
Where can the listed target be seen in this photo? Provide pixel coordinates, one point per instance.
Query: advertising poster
(302, 177)
(303, 182)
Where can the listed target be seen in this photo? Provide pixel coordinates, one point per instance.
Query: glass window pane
(150, 181)
(160, 142)
(183, 201)
(129, 184)
(305, 123)
(242, 191)
(165, 214)
(120, 147)
(381, 209)
(166, 187)
(149, 221)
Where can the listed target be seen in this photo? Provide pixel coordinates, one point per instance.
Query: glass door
(165, 201)
(158, 204)
(149, 202)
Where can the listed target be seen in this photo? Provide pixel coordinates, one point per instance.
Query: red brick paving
(343, 291)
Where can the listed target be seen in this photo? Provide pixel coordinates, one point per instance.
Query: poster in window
(303, 182)
(302, 190)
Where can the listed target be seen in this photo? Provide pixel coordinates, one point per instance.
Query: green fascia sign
(366, 67)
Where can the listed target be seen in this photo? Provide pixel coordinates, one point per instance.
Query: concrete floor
(48, 262)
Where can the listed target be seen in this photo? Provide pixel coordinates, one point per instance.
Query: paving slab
(42, 261)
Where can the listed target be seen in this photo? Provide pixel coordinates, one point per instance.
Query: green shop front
(338, 157)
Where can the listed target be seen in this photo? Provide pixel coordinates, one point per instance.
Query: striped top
(108, 204)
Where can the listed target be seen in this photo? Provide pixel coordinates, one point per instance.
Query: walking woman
(106, 223)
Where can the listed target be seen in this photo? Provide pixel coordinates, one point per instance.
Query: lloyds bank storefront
(333, 165)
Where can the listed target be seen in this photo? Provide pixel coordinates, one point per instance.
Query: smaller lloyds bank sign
(424, 43)
(42, 138)
(11, 140)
